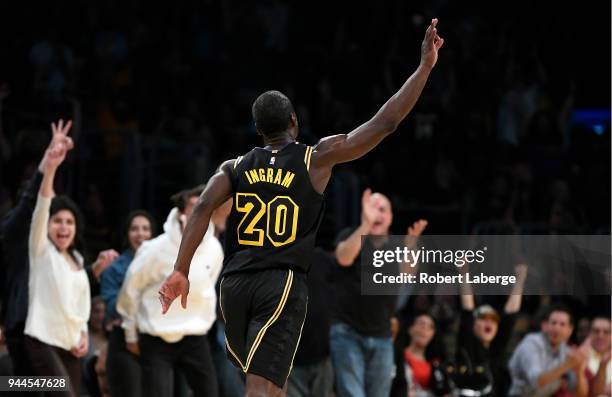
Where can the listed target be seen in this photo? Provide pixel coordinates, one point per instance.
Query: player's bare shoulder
(323, 153)
(329, 143)
(228, 165)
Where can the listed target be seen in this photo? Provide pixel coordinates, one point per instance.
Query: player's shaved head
(272, 112)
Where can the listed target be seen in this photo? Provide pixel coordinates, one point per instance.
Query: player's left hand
(175, 285)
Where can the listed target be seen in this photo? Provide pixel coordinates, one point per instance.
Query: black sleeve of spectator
(466, 325)
(399, 385)
(504, 333)
(16, 225)
(343, 235)
(94, 284)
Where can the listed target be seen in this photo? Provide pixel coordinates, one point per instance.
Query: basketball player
(278, 205)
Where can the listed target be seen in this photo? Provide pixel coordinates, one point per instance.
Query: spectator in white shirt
(59, 296)
(176, 340)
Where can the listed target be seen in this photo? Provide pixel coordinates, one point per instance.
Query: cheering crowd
(101, 326)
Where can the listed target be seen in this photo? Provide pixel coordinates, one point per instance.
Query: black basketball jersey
(276, 213)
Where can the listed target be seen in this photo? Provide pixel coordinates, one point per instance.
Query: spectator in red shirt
(414, 365)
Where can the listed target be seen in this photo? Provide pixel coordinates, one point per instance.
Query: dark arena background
(511, 135)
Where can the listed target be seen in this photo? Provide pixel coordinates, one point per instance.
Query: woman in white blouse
(59, 296)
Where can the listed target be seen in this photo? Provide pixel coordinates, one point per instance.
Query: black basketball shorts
(264, 312)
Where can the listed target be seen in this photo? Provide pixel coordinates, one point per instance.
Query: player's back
(276, 212)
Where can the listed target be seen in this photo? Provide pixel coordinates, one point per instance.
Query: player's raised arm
(217, 191)
(346, 147)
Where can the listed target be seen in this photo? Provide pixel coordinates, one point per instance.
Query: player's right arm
(217, 191)
(346, 147)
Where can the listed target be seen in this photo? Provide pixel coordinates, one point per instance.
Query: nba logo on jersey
(272, 160)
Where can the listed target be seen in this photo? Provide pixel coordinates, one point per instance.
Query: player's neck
(278, 142)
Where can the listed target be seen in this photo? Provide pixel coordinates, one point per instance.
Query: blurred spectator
(100, 370)
(415, 363)
(178, 338)
(97, 335)
(97, 347)
(5, 147)
(599, 368)
(6, 366)
(360, 335)
(59, 304)
(53, 64)
(14, 231)
(482, 341)
(583, 329)
(122, 366)
(543, 364)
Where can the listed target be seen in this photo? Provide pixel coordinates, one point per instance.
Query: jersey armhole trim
(307, 156)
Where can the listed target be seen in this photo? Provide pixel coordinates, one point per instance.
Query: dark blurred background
(512, 131)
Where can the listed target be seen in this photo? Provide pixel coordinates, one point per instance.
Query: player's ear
(257, 130)
(293, 121)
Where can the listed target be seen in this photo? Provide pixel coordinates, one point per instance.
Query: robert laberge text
(437, 278)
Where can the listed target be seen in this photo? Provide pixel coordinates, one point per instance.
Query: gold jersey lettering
(248, 177)
(288, 179)
(279, 174)
(254, 176)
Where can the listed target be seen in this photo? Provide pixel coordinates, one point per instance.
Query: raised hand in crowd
(60, 141)
(417, 227)
(414, 231)
(60, 145)
(521, 271)
(369, 206)
(104, 260)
